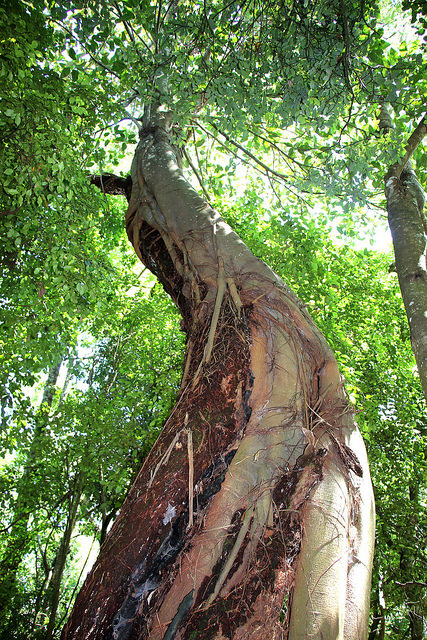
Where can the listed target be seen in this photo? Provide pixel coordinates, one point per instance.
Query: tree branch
(112, 184)
(85, 49)
(250, 155)
(131, 33)
(258, 165)
(197, 174)
(414, 141)
(287, 158)
(132, 119)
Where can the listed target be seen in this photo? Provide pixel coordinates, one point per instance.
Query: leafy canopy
(282, 97)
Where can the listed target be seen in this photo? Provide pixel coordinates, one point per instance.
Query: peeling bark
(279, 540)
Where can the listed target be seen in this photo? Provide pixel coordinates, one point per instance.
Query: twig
(250, 155)
(286, 157)
(198, 176)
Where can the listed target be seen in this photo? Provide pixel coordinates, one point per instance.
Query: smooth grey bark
(405, 207)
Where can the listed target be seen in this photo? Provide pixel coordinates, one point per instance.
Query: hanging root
(235, 295)
(221, 289)
(165, 458)
(232, 556)
(214, 322)
(190, 476)
(256, 518)
(215, 316)
(187, 366)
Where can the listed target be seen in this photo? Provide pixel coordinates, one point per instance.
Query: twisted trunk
(253, 514)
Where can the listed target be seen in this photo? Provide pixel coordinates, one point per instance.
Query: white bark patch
(169, 514)
(422, 262)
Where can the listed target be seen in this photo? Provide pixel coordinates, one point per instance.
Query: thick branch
(113, 185)
(414, 141)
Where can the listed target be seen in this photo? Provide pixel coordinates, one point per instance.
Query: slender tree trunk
(408, 226)
(405, 205)
(377, 631)
(106, 516)
(414, 590)
(257, 492)
(49, 388)
(54, 588)
(18, 542)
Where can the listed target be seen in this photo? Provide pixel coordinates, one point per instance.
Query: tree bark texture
(405, 207)
(252, 516)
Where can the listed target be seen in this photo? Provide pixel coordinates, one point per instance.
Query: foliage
(282, 95)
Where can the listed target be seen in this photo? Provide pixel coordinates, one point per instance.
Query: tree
(276, 467)
(233, 428)
(291, 463)
(405, 206)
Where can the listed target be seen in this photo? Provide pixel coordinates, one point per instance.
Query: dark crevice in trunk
(113, 185)
(131, 618)
(156, 257)
(215, 419)
(269, 560)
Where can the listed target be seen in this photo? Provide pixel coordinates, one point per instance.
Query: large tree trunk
(408, 226)
(253, 514)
